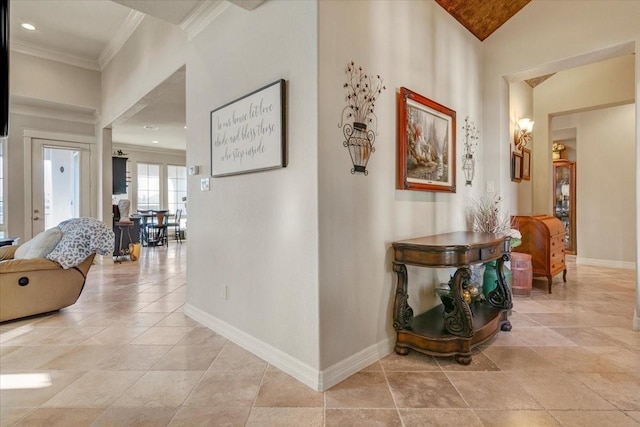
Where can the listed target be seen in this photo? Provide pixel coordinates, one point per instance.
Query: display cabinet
(564, 189)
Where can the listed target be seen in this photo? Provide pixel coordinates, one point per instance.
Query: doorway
(61, 182)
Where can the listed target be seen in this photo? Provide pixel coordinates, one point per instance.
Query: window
(177, 189)
(148, 186)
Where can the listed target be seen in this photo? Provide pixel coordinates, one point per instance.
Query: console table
(453, 328)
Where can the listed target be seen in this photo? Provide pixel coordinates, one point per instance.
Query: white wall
(257, 233)
(605, 183)
(419, 46)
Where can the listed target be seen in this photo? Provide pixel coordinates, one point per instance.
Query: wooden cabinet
(456, 326)
(119, 175)
(564, 196)
(543, 239)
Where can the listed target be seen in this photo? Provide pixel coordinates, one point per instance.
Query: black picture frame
(248, 134)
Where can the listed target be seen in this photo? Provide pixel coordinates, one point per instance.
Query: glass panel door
(60, 181)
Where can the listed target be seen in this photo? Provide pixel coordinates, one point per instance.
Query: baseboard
(317, 380)
(636, 320)
(628, 265)
(292, 366)
(355, 363)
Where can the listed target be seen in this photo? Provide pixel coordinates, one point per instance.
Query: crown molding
(120, 38)
(147, 149)
(202, 16)
(53, 110)
(247, 4)
(53, 55)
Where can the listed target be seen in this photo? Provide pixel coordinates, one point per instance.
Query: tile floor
(125, 355)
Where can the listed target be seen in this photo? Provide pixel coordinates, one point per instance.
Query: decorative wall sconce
(471, 135)
(359, 124)
(522, 135)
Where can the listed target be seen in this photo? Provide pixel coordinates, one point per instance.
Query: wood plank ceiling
(482, 17)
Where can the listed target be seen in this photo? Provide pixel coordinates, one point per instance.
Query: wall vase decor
(469, 168)
(359, 124)
(471, 134)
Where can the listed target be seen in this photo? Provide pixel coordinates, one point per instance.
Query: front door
(61, 187)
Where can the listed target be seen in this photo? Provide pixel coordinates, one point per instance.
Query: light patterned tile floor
(125, 355)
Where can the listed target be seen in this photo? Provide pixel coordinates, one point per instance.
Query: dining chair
(176, 226)
(158, 228)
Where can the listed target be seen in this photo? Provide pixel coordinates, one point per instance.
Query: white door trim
(28, 136)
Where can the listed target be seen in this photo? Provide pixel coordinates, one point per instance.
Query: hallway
(125, 355)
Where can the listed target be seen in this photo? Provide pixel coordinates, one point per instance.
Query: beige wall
(603, 83)
(590, 87)
(45, 96)
(520, 106)
(137, 154)
(419, 46)
(49, 81)
(605, 165)
(155, 50)
(15, 171)
(257, 233)
(538, 40)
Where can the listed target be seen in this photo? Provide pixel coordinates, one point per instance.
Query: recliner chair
(41, 284)
(34, 286)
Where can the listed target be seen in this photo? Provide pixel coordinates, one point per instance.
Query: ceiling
(482, 17)
(88, 33)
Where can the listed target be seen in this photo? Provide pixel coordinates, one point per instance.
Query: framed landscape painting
(426, 144)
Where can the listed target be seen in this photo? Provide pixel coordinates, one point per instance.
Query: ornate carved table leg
(459, 320)
(402, 312)
(500, 297)
(462, 359)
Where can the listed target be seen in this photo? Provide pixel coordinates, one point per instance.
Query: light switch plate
(194, 170)
(204, 184)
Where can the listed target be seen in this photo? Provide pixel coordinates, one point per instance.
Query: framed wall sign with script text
(248, 134)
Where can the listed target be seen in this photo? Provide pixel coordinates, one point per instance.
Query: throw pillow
(40, 246)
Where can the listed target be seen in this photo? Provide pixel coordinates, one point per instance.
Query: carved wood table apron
(457, 327)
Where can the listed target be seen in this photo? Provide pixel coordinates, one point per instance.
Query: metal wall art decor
(471, 134)
(426, 144)
(359, 124)
(248, 134)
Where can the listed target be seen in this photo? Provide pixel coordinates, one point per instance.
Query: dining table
(147, 219)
